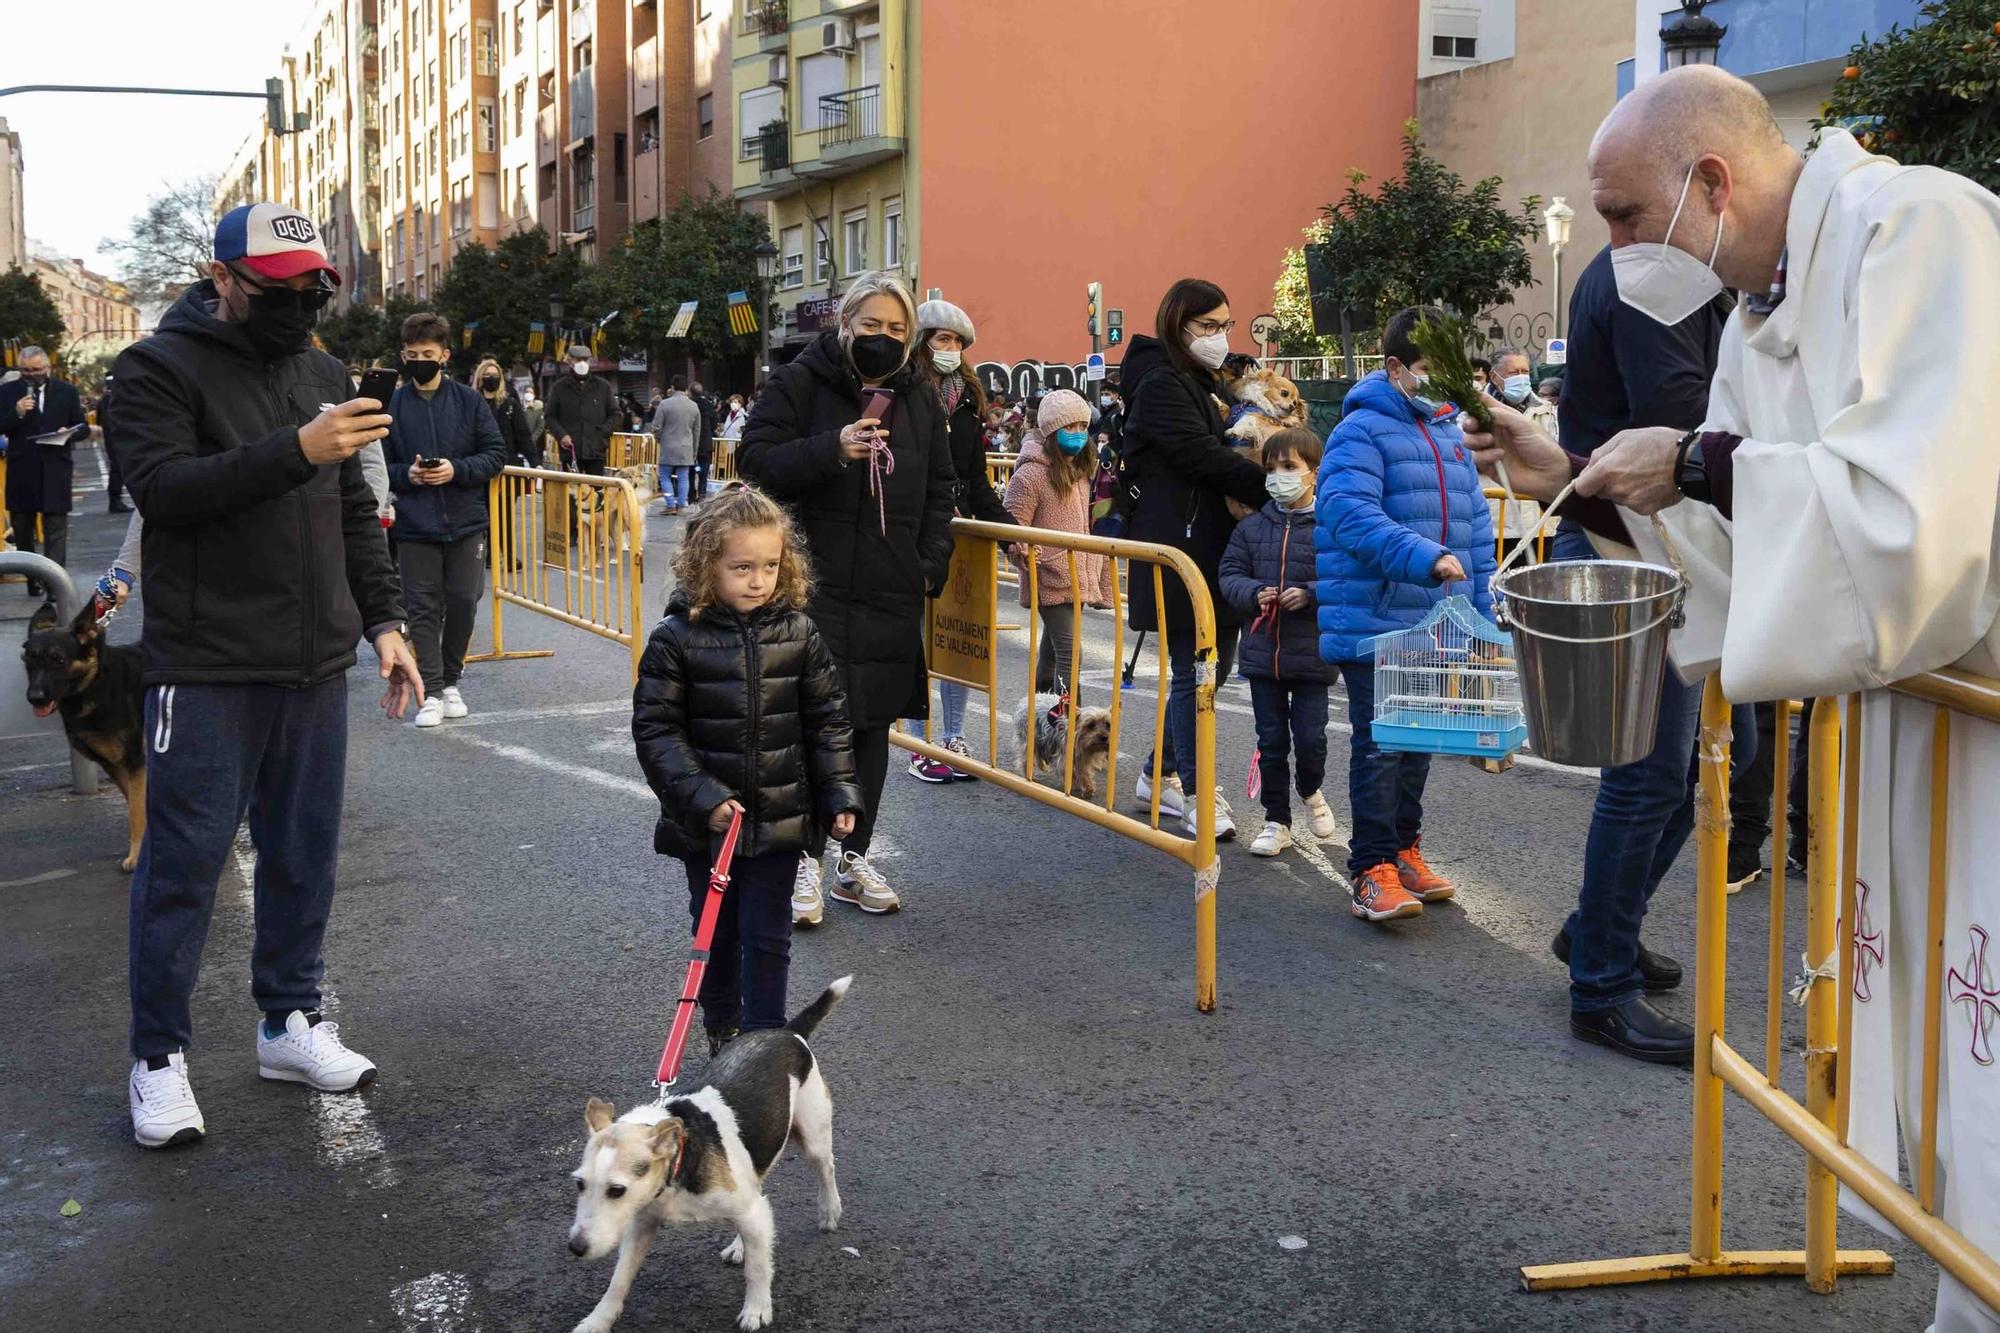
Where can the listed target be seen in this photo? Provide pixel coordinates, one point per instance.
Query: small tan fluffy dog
(1274, 404)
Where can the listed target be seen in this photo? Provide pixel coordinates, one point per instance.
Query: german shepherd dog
(97, 687)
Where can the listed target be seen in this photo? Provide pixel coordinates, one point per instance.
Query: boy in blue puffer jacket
(1267, 575)
(1401, 522)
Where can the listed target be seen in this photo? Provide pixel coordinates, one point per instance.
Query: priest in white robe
(1839, 517)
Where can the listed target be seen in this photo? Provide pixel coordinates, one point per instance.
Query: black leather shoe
(1657, 972)
(120, 509)
(1637, 1029)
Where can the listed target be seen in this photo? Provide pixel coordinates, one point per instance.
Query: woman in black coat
(874, 500)
(1189, 477)
(508, 414)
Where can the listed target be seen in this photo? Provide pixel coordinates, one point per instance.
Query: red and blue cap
(272, 240)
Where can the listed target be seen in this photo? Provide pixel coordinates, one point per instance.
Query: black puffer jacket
(260, 567)
(784, 749)
(1186, 471)
(869, 600)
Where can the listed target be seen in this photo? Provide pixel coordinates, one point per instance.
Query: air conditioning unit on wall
(779, 70)
(836, 36)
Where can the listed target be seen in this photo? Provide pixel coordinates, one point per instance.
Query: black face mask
(877, 355)
(489, 383)
(421, 372)
(279, 320)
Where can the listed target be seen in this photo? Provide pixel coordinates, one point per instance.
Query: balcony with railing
(854, 129)
(583, 103)
(645, 70)
(769, 146)
(768, 18)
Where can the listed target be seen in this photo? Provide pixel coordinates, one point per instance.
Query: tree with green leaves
(498, 292)
(701, 250)
(169, 246)
(355, 334)
(1421, 238)
(1928, 95)
(28, 316)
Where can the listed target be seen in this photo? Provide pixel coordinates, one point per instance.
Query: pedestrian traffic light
(1114, 327)
(274, 106)
(1094, 297)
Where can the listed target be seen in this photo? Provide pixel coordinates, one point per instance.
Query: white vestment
(1867, 532)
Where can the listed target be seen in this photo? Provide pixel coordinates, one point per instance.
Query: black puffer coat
(784, 749)
(974, 494)
(869, 598)
(1185, 470)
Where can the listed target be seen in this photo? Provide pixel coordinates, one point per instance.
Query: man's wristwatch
(1690, 472)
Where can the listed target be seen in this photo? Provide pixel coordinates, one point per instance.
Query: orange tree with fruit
(1930, 94)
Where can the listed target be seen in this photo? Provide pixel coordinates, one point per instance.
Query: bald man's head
(1704, 130)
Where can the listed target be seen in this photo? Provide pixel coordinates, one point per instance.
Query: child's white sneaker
(1321, 815)
(1274, 839)
(1225, 821)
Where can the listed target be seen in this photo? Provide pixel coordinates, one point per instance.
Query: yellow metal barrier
(962, 646)
(1000, 469)
(1493, 492)
(630, 449)
(1820, 1126)
(572, 547)
(723, 467)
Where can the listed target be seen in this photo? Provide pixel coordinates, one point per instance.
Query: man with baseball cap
(264, 563)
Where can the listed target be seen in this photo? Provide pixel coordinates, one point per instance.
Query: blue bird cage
(1448, 685)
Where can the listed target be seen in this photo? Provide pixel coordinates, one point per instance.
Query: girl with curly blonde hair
(741, 713)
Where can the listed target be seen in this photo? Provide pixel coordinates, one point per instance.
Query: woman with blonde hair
(848, 440)
(491, 383)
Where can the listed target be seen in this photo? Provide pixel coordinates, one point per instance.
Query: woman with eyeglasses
(1188, 478)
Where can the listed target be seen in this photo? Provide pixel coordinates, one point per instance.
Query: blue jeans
(1291, 719)
(674, 484)
(1178, 744)
(750, 957)
(951, 713)
(1385, 788)
(213, 753)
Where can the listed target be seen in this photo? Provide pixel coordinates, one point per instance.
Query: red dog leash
(704, 935)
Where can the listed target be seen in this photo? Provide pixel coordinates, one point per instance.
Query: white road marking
(348, 1138)
(581, 772)
(244, 853)
(45, 877)
(439, 1303)
(31, 768)
(502, 715)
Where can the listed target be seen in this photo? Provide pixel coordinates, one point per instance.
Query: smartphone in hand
(877, 403)
(378, 384)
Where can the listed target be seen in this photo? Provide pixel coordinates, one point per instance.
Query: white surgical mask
(581, 367)
(1104, 400)
(946, 362)
(1663, 282)
(1211, 349)
(1516, 388)
(1285, 487)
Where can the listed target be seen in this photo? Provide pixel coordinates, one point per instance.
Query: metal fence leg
(82, 772)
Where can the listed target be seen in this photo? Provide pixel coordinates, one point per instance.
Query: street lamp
(1690, 38)
(1556, 219)
(767, 268)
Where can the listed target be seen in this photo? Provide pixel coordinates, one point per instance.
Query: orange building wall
(1136, 143)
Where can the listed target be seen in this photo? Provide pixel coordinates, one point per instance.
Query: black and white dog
(703, 1158)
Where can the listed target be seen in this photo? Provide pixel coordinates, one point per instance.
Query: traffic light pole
(272, 97)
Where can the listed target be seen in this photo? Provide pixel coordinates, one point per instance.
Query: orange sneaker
(1422, 882)
(1379, 895)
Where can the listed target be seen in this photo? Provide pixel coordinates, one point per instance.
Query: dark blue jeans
(751, 954)
(1644, 814)
(214, 752)
(1291, 719)
(1178, 744)
(1385, 788)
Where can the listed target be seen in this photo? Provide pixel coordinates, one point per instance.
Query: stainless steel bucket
(1590, 638)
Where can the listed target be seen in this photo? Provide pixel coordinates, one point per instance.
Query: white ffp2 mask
(1211, 349)
(946, 362)
(1663, 282)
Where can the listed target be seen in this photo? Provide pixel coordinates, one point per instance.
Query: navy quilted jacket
(1273, 548)
(1396, 492)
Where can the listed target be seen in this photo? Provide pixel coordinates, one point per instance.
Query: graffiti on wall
(1028, 379)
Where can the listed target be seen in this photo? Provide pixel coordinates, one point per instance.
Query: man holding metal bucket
(1848, 470)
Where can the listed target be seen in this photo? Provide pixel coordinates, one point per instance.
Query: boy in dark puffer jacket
(1267, 574)
(740, 709)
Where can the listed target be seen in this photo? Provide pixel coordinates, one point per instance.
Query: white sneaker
(1321, 815)
(807, 909)
(431, 714)
(857, 882)
(164, 1113)
(454, 702)
(1172, 806)
(1225, 822)
(1274, 839)
(312, 1053)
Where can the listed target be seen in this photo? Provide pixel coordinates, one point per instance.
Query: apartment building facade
(13, 217)
(98, 314)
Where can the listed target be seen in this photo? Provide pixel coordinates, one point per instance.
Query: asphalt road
(1035, 1128)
